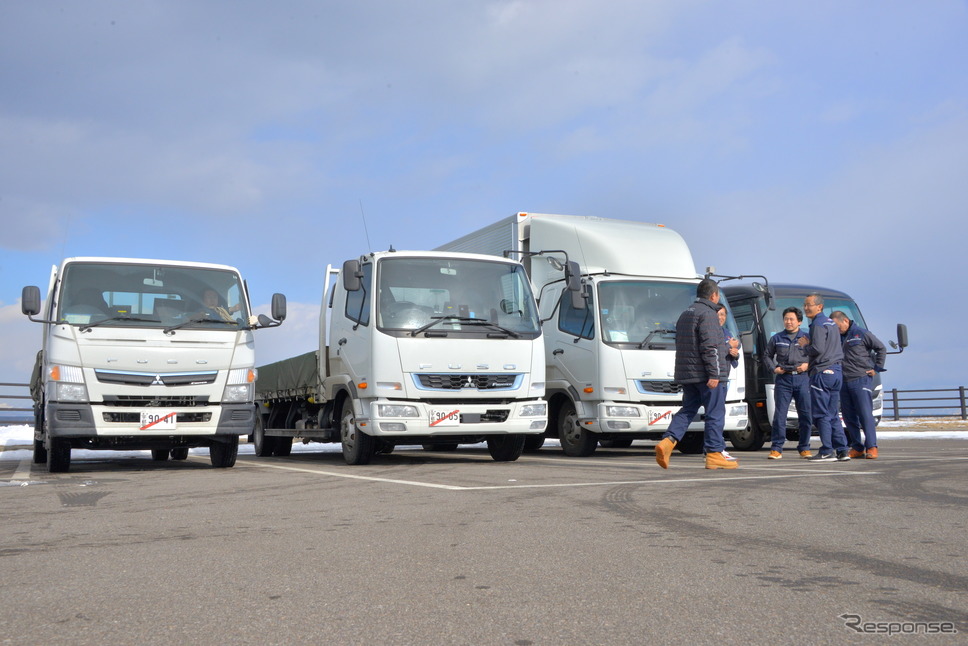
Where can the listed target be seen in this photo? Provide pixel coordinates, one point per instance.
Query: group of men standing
(826, 370)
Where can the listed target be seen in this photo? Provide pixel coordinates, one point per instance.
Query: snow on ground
(16, 441)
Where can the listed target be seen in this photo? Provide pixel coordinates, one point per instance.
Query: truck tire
(159, 455)
(691, 443)
(620, 443)
(263, 444)
(506, 448)
(533, 442)
(40, 451)
(748, 439)
(576, 441)
(179, 453)
(283, 446)
(59, 456)
(358, 447)
(223, 454)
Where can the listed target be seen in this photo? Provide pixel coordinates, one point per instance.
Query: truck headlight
(240, 386)
(68, 384)
(622, 411)
(737, 411)
(534, 410)
(396, 410)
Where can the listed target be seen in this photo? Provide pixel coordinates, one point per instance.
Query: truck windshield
(459, 295)
(773, 321)
(644, 313)
(141, 295)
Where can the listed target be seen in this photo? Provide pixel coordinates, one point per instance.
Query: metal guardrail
(949, 402)
(24, 415)
(943, 402)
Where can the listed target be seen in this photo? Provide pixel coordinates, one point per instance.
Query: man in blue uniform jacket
(826, 376)
(785, 358)
(864, 355)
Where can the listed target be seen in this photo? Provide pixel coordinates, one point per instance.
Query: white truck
(432, 349)
(144, 355)
(610, 363)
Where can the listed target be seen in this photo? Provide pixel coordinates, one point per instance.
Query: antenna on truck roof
(366, 232)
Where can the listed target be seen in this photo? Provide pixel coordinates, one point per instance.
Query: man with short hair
(864, 355)
(825, 351)
(787, 361)
(699, 369)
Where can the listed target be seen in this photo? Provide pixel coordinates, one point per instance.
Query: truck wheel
(179, 453)
(533, 442)
(264, 445)
(283, 446)
(40, 451)
(223, 454)
(576, 442)
(358, 447)
(159, 455)
(620, 443)
(748, 439)
(506, 448)
(691, 443)
(59, 456)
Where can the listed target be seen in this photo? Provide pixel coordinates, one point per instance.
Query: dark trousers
(796, 388)
(857, 406)
(825, 402)
(713, 400)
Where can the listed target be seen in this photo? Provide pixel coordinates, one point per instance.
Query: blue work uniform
(862, 352)
(826, 377)
(784, 351)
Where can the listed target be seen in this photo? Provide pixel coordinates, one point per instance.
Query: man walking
(826, 376)
(864, 355)
(699, 368)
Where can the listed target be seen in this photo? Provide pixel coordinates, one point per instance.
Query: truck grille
(155, 379)
(135, 401)
(459, 382)
(664, 387)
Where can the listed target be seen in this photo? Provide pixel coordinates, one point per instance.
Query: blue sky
(822, 142)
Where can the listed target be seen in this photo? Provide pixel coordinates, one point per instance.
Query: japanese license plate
(656, 416)
(443, 417)
(157, 420)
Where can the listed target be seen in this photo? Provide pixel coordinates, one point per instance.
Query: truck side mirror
(902, 339)
(573, 284)
(30, 300)
(352, 276)
(746, 341)
(279, 307)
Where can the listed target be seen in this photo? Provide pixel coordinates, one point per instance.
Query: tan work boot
(663, 450)
(717, 461)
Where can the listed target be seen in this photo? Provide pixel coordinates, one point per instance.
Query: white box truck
(144, 355)
(433, 349)
(610, 363)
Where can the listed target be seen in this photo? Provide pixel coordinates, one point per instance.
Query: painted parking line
(602, 483)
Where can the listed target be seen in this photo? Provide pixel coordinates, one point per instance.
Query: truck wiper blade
(645, 341)
(435, 321)
(197, 319)
(465, 320)
(88, 326)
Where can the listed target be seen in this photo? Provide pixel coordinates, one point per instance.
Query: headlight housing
(240, 386)
(622, 411)
(67, 384)
(534, 410)
(396, 410)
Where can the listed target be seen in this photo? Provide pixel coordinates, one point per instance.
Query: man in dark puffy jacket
(864, 355)
(699, 369)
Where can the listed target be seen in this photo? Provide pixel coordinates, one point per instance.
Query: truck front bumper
(385, 418)
(94, 420)
(613, 417)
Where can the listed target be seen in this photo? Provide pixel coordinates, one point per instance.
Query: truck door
(571, 342)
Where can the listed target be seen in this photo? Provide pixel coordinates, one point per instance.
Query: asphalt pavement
(452, 548)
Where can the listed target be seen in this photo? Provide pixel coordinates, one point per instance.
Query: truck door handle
(342, 341)
(558, 351)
